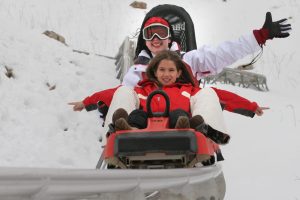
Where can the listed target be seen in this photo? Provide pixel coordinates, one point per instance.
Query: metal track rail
(63, 184)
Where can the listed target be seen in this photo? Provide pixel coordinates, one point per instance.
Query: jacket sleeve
(133, 76)
(104, 97)
(235, 103)
(209, 60)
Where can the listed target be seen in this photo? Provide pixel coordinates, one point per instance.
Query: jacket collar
(147, 82)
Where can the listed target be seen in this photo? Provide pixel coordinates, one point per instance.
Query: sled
(157, 146)
(158, 149)
(184, 34)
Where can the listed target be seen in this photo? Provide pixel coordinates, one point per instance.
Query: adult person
(156, 36)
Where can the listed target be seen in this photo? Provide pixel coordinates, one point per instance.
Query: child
(169, 73)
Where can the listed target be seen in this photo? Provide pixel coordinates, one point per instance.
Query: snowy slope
(39, 129)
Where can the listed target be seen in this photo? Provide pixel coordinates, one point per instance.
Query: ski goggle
(159, 30)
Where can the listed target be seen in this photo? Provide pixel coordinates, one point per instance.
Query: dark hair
(141, 43)
(185, 76)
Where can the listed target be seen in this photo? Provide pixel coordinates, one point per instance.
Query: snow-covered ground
(39, 129)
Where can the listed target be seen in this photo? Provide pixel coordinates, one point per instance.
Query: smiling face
(157, 45)
(167, 72)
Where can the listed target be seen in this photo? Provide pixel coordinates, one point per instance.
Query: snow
(39, 129)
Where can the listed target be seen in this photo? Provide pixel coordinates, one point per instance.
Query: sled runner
(181, 22)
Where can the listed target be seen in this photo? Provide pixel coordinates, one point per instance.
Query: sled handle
(158, 114)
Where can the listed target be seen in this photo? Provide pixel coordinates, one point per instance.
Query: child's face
(157, 45)
(167, 72)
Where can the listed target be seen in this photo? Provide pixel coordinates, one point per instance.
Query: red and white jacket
(180, 94)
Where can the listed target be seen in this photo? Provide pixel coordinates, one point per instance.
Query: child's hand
(260, 110)
(77, 106)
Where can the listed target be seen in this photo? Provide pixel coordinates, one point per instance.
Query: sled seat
(182, 27)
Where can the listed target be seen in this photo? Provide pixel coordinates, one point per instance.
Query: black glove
(276, 29)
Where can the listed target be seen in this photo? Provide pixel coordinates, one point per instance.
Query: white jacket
(206, 60)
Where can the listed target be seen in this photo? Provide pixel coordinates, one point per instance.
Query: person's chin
(166, 84)
(156, 50)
